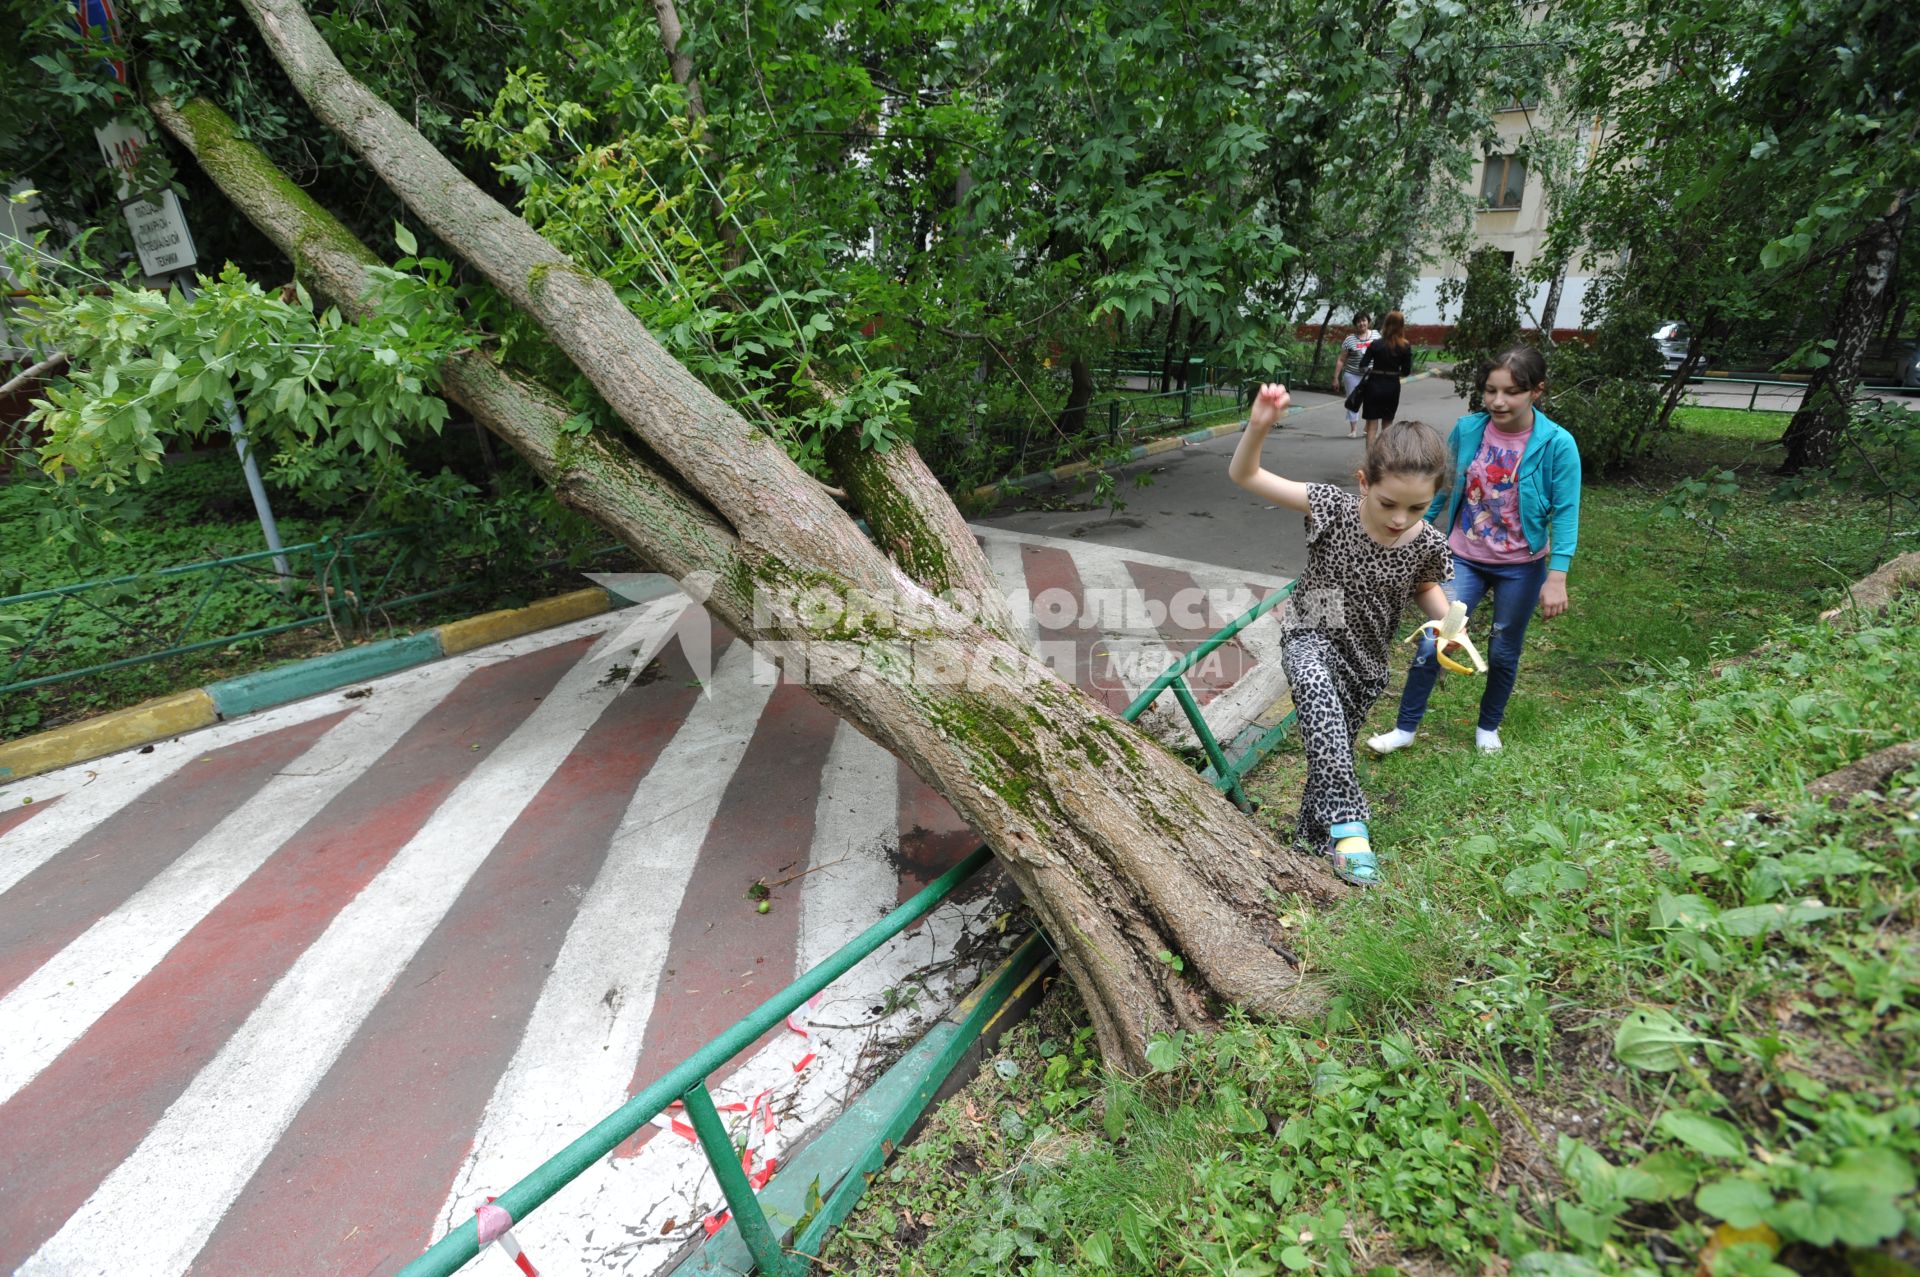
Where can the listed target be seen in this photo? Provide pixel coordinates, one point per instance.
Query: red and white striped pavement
(297, 993)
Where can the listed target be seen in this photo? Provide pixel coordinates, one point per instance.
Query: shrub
(1489, 319)
(1606, 393)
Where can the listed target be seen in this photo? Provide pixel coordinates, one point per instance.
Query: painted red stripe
(104, 867)
(1048, 568)
(1189, 621)
(18, 815)
(64, 1131)
(356, 1182)
(724, 957)
(933, 837)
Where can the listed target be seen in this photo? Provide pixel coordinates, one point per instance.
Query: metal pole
(768, 1257)
(238, 429)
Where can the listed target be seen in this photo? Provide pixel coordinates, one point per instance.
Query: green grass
(1626, 983)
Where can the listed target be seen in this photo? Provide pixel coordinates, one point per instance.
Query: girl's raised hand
(1268, 406)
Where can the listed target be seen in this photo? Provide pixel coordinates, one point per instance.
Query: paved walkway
(1190, 508)
(293, 994)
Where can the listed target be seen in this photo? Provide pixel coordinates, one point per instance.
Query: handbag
(1353, 400)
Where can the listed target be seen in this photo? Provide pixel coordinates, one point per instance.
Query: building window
(1523, 104)
(1503, 181)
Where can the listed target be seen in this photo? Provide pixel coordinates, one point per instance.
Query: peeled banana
(1452, 632)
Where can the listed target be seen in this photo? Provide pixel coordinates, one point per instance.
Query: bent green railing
(687, 1082)
(1223, 773)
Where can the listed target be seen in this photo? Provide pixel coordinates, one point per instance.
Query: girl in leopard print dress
(1367, 554)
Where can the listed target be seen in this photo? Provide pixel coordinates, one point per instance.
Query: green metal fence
(1130, 417)
(350, 584)
(780, 1241)
(344, 581)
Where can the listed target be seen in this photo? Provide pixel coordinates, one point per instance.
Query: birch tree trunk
(1814, 434)
(1123, 851)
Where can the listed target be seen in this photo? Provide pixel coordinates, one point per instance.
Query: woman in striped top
(1351, 352)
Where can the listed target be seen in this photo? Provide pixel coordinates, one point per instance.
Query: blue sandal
(1352, 853)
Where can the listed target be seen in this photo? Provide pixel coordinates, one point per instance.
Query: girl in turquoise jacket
(1511, 516)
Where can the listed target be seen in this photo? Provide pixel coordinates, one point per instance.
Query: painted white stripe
(85, 805)
(1136, 653)
(1003, 556)
(573, 1067)
(1079, 548)
(853, 879)
(575, 1060)
(49, 1010)
(632, 1215)
(157, 1208)
(1231, 711)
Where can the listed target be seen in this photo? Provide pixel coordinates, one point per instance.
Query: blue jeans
(1516, 589)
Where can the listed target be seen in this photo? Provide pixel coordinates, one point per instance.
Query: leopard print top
(1354, 588)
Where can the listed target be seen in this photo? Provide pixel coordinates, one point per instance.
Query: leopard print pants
(1332, 701)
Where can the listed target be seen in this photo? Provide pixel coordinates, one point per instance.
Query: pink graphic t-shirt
(1488, 527)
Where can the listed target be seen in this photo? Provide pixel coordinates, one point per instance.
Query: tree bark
(1813, 436)
(1550, 308)
(1073, 417)
(1320, 340)
(679, 65)
(1123, 851)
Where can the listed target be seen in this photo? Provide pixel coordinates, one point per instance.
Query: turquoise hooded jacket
(1549, 481)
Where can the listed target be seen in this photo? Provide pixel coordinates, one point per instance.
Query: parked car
(1910, 368)
(1671, 340)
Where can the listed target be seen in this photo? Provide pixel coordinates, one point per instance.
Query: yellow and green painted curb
(993, 492)
(76, 742)
(169, 716)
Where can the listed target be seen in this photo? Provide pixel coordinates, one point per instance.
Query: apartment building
(1510, 188)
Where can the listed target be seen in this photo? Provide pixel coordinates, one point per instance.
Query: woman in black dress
(1387, 360)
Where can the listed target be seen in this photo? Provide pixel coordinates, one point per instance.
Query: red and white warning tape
(761, 1104)
(493, 1224)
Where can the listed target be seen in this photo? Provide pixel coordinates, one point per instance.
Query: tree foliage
(1751, 148)
(1489, 320)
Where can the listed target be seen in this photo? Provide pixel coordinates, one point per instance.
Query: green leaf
(1588, 1227)
(1741, 1202)
(1296, 1259)
(1703, 1134)
(404, 238)
(1755, 920)
(1097, 1248)
(1653, 1040)
(1556, 1263)
(1396, 1049)
(1163, 1055)
(1544, 878)
(1683, 911)
(1662, 1177)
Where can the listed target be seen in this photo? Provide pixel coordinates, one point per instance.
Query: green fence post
(768, 1257)
(355, 595)
(1186, 404)
(1207, 742)
(1113, 421)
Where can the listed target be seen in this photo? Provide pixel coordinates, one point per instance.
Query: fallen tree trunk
(1123, 851)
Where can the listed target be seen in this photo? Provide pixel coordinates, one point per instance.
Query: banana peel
(1452, 632)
